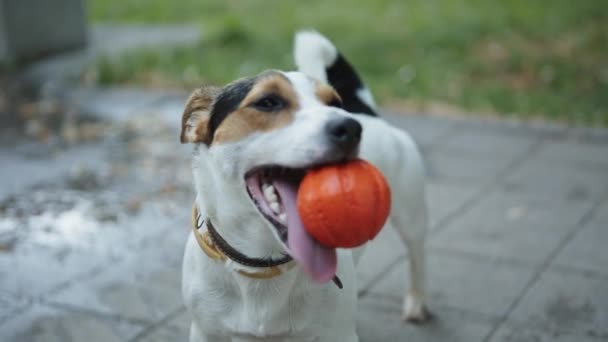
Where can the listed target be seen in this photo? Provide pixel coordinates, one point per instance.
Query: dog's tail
(317, 57)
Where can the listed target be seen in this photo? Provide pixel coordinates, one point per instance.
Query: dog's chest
(252, 310)
(286, 308)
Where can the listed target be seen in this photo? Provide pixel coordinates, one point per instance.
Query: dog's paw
(414, 311)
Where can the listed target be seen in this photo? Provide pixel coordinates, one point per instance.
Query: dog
(250, 271)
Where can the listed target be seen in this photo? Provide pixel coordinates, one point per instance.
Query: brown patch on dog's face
(195, 118)
(270, 104)
(326, 94)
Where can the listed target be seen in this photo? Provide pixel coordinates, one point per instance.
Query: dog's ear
(196, 114)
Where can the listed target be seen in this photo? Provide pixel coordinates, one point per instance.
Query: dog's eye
(270, 103)
(335, 102)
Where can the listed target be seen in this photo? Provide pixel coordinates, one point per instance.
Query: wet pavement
(93, 224)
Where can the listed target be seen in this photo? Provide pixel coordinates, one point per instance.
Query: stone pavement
(92, 231)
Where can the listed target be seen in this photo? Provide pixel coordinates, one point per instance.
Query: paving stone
(445, 198)
(115, 104)
(479, 142)
(424, 130)
(482, 286)
(574, 152)
(9, 304)
(169, 110)
(145, 287)
(378, 256)
(177, 329)
(388, 247)
(463, 168)
(41, 323)
(378, 319)
(558, 180)
(563, 302)
(24, 171)
(32, 270)
(512, 225)
(517, 333)
(587, 250)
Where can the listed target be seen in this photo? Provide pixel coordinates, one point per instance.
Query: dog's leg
(196, 335)
(412, 230)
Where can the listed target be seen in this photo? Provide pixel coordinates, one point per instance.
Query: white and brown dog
(251, 272)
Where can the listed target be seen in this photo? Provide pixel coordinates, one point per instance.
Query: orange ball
(344, 205)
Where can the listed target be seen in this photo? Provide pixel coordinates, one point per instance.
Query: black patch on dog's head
(343, 77)
(227, 102)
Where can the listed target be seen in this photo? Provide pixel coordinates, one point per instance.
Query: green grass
(543, 58)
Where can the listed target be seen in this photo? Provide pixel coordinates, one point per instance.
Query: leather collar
(212, 243)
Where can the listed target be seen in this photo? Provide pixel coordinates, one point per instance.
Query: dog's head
(262, 134)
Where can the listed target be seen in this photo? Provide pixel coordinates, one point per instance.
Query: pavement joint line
(436, 310)
(160, 100)
(18, 310)
(132, 111)
(77, 277)
(155, 326)
(473, 256)
(582, 222)
(94, 313)
(451, 130)
(579, 271)
(521, 324)
(485, 189)
(387, 269)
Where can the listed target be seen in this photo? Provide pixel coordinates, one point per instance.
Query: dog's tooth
(269, 193)
(283, 217)
(274, 206)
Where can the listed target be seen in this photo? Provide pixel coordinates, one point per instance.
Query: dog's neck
(227, 205)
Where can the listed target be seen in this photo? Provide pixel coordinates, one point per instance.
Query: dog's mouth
(274, 191)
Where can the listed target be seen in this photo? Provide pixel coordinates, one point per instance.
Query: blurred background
(542, 59)
(506, 99)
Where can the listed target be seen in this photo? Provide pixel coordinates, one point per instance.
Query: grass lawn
(530, 59)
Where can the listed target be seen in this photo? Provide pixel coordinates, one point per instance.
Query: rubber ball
(344, 205)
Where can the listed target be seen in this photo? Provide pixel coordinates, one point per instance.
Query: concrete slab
(26, 171)
(476, 141)
(558, 180)
(175, 329)
(378, 256)
(574, 152)
(379, 320)
(445, 199)
(518, 333)
(425, 131)
(115, 104)
(146, 287)
(31, 270)
(482, 286)
(448, 167)
(10, 304)
(169, 110)
(564, 302)
(42, 323)
(587, 251)
(513, 226)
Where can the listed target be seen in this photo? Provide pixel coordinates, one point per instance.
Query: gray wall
(34, 28)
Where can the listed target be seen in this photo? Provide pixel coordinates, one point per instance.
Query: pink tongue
(318, 261)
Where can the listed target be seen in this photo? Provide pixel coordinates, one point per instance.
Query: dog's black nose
(344, 132)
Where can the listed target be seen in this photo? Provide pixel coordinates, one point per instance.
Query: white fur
(313, 53)
(366, 96)
(227, 306)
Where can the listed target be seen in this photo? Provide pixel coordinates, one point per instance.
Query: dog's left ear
(196, 115)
